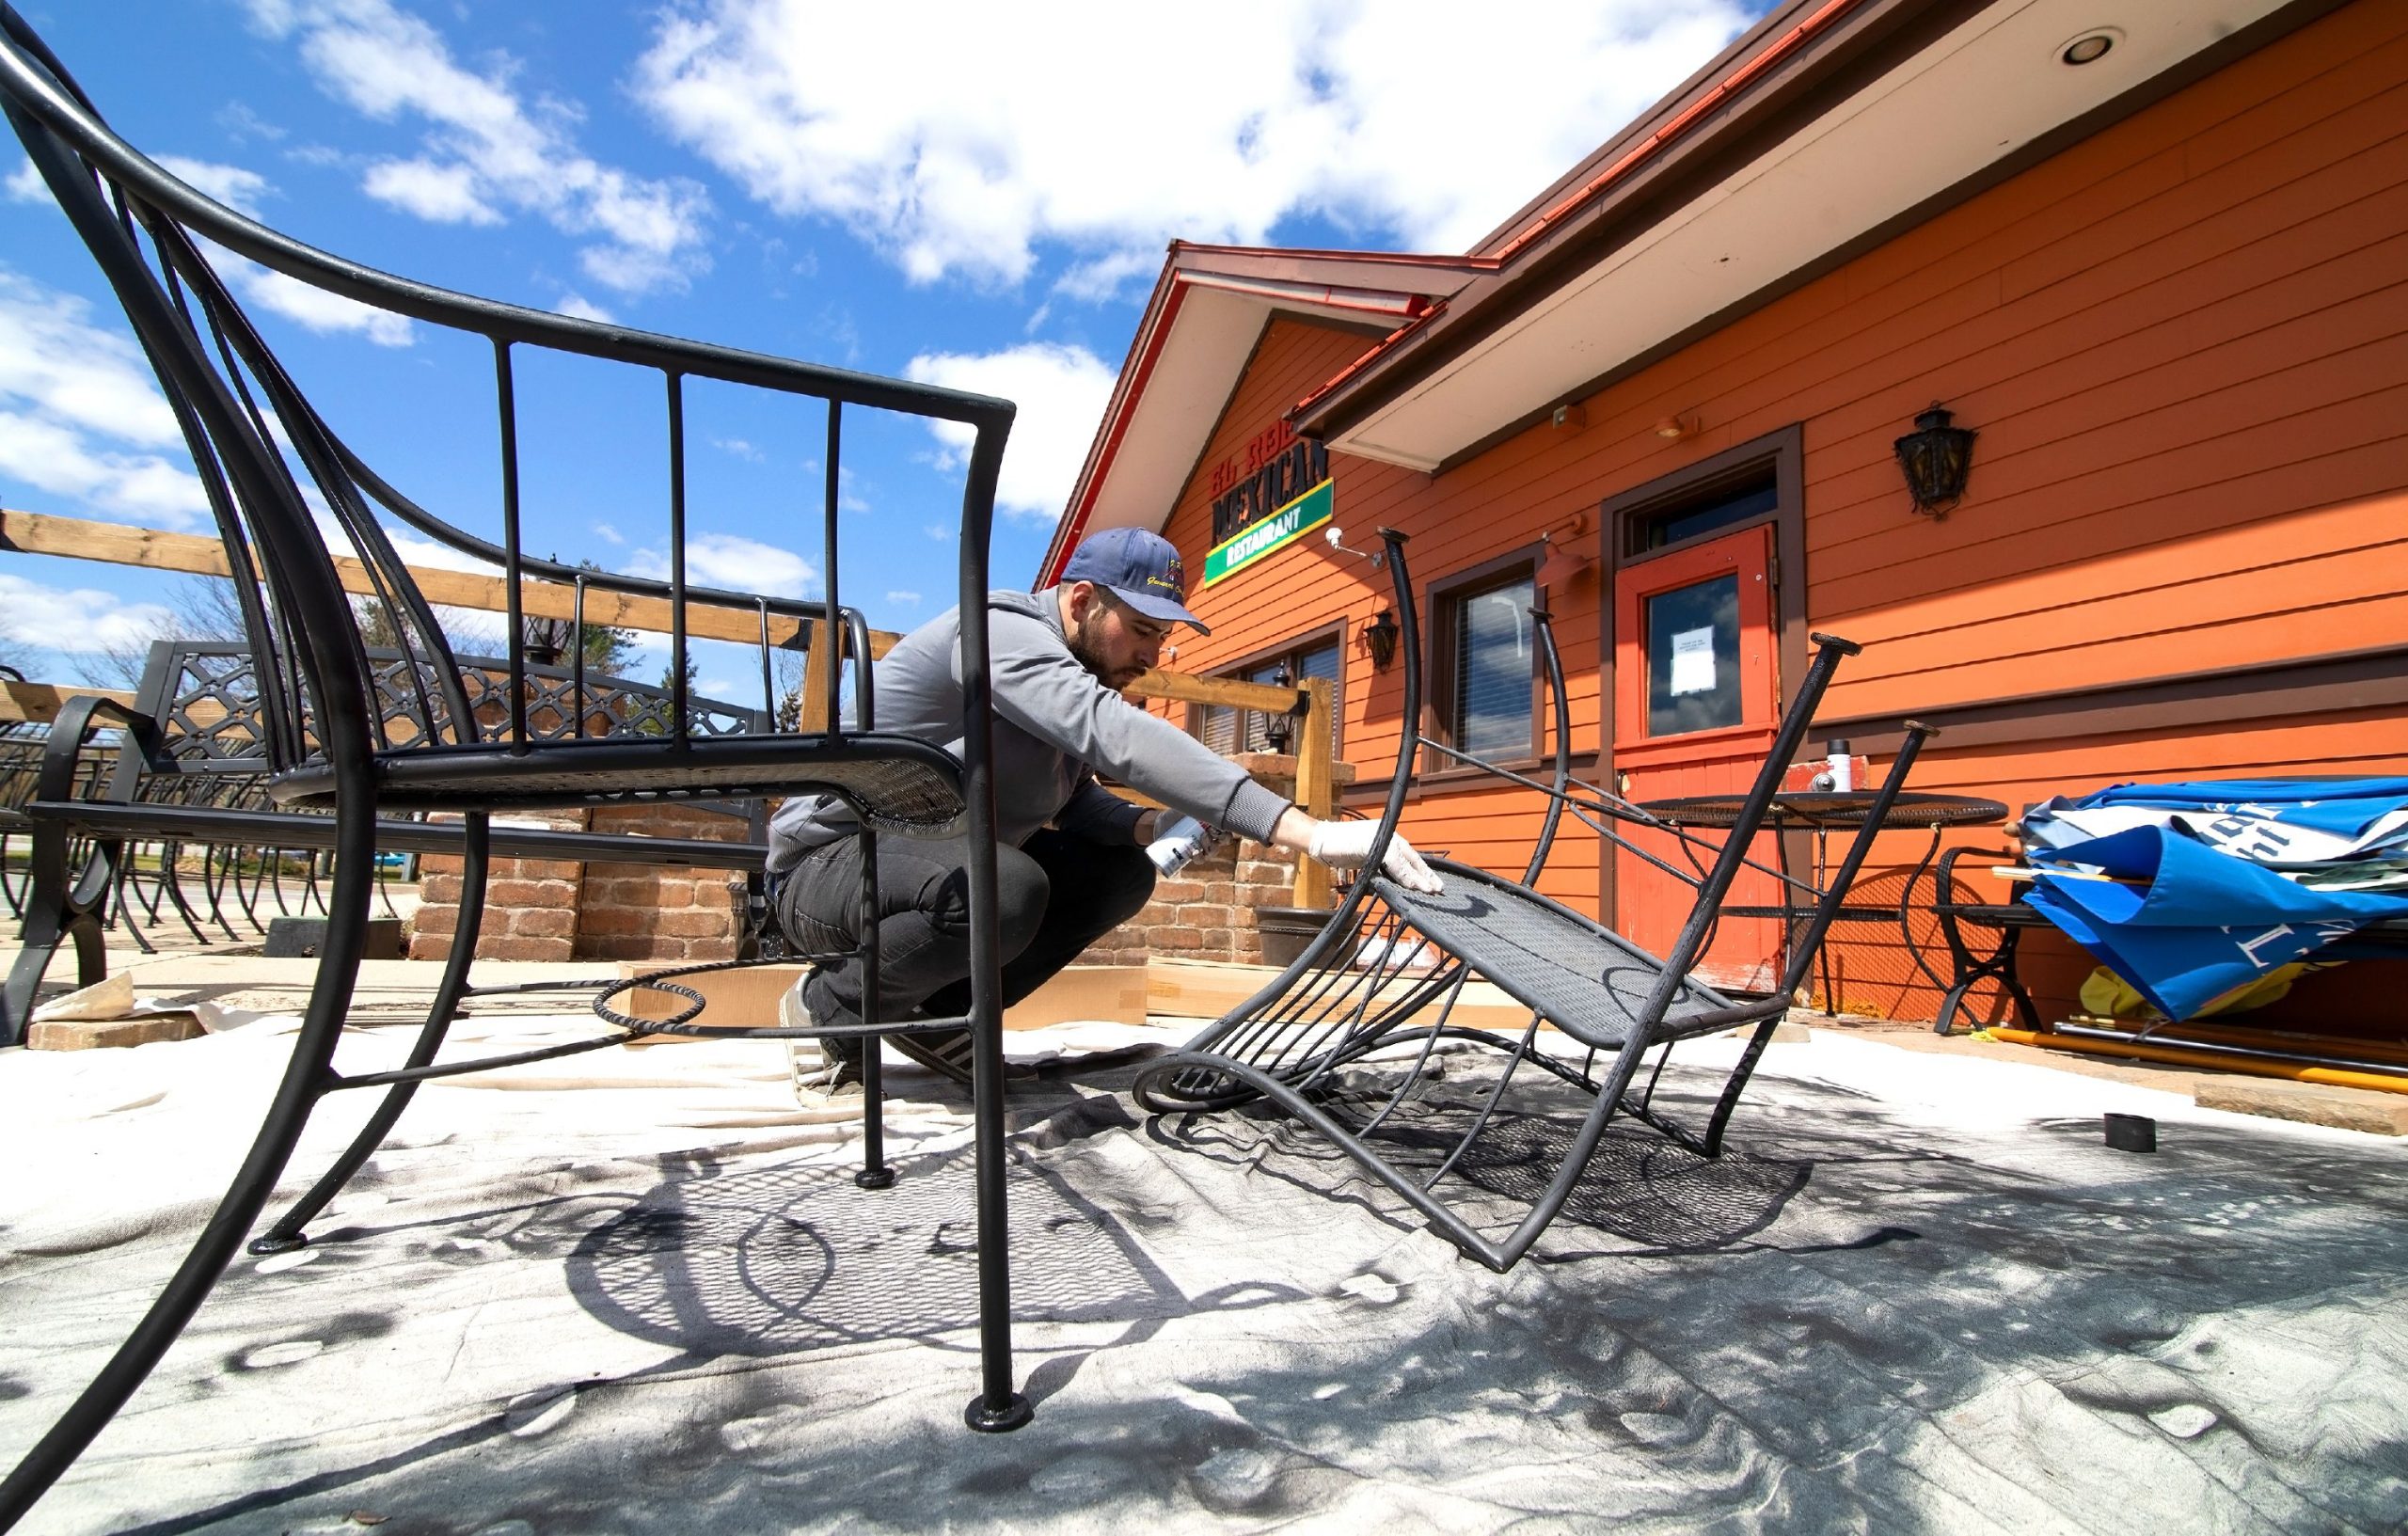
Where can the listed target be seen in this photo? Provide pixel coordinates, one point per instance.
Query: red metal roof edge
(1144, 350)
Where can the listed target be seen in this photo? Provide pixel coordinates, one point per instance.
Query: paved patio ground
(637, 1292)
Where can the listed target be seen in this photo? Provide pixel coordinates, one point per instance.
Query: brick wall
(661, 913)
(530, 904)
(552, 909)
(1205, 911)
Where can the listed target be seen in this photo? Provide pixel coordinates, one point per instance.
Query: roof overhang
(1829, 127)
(1207, 309)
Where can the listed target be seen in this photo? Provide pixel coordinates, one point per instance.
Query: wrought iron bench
(1344, 1041)
(186, 769)
(257, 441)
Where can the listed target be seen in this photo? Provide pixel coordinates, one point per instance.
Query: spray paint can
(1839, 767)
(1179, 843)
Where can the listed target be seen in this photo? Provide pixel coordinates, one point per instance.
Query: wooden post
(1315, 784)
(812, 702)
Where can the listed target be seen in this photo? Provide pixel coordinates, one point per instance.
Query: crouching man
(1071, 864)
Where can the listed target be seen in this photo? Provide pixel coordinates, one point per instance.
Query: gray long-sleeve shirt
(1056, 726)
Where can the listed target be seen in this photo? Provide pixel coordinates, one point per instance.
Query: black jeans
(1056, 894)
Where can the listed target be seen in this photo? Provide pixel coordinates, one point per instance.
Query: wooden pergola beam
(39, 702)
(116, 543)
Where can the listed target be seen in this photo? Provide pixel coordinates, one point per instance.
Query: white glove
(1344, 845)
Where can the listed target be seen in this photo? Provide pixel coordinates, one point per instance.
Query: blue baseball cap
(1142, 569)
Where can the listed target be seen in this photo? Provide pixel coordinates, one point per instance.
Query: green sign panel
(1274, 532)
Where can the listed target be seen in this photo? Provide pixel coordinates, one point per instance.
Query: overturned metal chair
(1344, 1039)
(256, 442)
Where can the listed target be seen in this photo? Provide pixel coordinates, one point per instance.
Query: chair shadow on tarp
(1657, 1198)
(766, 1261)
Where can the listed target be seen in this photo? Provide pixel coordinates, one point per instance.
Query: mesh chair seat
(1579, 975)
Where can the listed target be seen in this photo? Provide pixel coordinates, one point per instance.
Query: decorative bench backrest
(203, 697)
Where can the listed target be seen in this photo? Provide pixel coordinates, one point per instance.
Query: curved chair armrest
(78, 718)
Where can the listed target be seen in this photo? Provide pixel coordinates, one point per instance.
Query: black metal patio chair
(1344, 1039)
(300, 512)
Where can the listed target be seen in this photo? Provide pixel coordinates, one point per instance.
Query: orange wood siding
(2184, 343)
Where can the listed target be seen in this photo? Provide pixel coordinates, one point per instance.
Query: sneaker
(828, 1070)
(824, 1081)
(944, 1052)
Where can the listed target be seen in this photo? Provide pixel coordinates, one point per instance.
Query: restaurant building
(2152, 255)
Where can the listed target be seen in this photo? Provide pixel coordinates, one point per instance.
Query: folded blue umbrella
(2200, 922)
(2245, 816)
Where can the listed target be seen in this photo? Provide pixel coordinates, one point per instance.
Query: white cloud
(75, 619)
(741, 449)
(25, 183)
(1403, 117)
(313, 307)
(1061, 392)
(905, 599)
(239, 189)
(57, 361)
(438, 193)
(139, 487)
(735, 564)
(609, 535)
(485, 150)
(577, 306)
(79, 413)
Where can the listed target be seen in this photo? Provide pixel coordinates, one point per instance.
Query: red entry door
(1696, 701)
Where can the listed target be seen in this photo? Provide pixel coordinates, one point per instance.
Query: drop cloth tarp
(2208, 886)
(638, 1291)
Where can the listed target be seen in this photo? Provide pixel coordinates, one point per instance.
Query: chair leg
(303, 1082)
(59, 908)
(289, 1230)
(875, 1171)
(999, 1407)
(1998, 966)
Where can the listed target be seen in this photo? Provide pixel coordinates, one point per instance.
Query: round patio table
(1819, 811)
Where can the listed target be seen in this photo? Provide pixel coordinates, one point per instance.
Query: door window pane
(1717, 511)
(1493, 671)
(1693, 658)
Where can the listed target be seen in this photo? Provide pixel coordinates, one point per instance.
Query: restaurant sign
(1274, 532)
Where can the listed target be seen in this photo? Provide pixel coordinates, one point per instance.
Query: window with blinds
(1230, 731)
(1488, 682)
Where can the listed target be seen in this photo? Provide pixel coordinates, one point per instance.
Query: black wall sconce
(548, 641)
(1938, 459)
(1379, 637)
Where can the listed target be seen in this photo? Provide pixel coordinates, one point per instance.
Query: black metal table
(1819, 811)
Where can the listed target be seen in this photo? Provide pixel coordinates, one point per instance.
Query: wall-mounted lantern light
(548, 641)
(1937, 458)
(1379, 637)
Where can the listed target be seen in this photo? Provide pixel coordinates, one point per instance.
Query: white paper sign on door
(1693, 662)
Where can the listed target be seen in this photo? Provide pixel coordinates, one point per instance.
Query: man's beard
(1091, 657)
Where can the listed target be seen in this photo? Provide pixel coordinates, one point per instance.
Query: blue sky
(979, 195)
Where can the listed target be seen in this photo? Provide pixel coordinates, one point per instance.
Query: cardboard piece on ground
(92, 1035)
(747, 998)
(1085, 994)
(104, 1000)
(2313, 1103)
